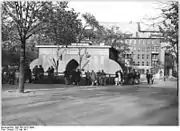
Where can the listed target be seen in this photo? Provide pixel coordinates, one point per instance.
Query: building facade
(99, 57)
(145, 52)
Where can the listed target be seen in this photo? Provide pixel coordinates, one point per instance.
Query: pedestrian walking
(103, 78)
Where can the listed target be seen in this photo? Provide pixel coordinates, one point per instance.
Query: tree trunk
(22, 63)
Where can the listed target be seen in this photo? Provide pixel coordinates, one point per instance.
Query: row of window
(147, 56)
(147, 49)
(143, 56)
(143, 63)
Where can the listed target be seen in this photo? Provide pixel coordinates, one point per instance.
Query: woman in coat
(93, 77)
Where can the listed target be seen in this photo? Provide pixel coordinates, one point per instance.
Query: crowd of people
(127, 77)
(101, 78)
(11, 75)
(89, 78)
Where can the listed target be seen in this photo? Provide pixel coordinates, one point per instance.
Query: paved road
(127, 105)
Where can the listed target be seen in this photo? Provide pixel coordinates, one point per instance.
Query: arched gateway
(71, 65)
(94, 57)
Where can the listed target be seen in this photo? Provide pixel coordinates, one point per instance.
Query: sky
(117, 11)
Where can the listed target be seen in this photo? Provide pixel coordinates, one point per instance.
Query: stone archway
(71, 65)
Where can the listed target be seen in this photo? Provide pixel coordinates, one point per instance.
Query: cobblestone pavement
(110, 105)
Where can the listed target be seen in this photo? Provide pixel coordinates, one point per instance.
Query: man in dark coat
(73, 76)
(41, 72)
(28, 74)
(52, 74)
(99, 77)
(66, 77)
(78, 76)
(148, 76)
(88, 78)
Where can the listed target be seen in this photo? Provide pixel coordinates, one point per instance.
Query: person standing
(148, 76)
(151, 78)
(35, 73)
(116, 78)
(119, 78)
(73, 77)
(93, 77)
(99, 77)
(66, 77)
(88, 78)
(78, 76)
(103, 78)
(160, 73)
(138, 77)
(49, 74)
(41, 72)
(133, 76)
(83, 76)
(28, 74)
(52, 74)
(12, 75)
(122, 77)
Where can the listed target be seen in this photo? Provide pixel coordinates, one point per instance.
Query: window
(147, 63)
(157, 49)
(152, 48)
(147, 56)
(138, 63)
(142, 56)
(143, 49)
(138, 56)
(143, 63)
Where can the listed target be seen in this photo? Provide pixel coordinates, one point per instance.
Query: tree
(62, 26)
(88, 29)
(24, 20)
(116, 40)
(169, 28)
(83, 56)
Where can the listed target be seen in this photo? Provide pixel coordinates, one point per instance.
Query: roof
(73, 46)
